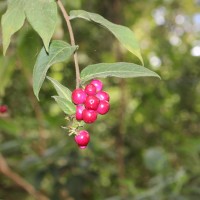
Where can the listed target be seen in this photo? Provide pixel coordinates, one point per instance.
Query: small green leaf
(59, 51)
(120, 69)
(62, 91)
(12, 21)
(67, 106)
(42, 15)
(122, 33)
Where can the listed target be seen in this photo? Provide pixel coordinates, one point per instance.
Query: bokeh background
(146, 148)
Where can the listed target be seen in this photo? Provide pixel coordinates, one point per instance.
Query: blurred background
(146, 148)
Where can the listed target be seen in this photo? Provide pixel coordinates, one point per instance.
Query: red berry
(103, 107)
(98, 84)
(90, 89)
(103, 96)
(79, 112)
(3, 109)
(78, 96)
(92, 102)
(82, 139)
(89, 116)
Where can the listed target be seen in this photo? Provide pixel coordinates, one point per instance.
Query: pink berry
(89, 116)
(79, 112)
(103, 107)
(98, 84)
(3, 109)
(92, 102)
(103, 96)
(78, 96)
(90, 89)
(82, 139)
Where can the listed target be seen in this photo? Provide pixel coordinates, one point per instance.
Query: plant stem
(71, 35)
(20, 181)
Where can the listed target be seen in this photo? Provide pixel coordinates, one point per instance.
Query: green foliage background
(147, 147)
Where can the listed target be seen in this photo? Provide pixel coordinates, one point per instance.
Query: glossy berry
(79, 112)
(98, 84)
(91, 102)
(90, 89)
(103, 107)
(89, 116)
(82, 139)
(103, 96)
(78, 96)
(3, 109)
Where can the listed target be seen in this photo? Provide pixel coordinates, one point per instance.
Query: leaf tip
(5, 48)
(54, 97)
(37, 97)
(4, 52)
(36, 93)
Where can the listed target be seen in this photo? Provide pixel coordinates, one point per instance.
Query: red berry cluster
(3, 109)
(90, 102)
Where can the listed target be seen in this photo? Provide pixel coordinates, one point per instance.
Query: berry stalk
(71, 35)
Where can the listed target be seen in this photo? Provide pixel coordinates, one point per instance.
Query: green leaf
(120, 69)
(59, 51)
(42, 15)
(122, 33)
(62, 91)
(12, 21)
(67, 106)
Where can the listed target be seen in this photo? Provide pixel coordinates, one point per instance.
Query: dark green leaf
(59, 51)
(62, 91)
(120, 69)
(67, 106)
(122, 33)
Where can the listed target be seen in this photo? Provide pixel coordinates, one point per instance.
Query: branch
(5, 169)
(71, 35)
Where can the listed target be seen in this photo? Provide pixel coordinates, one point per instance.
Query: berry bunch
(3, 109)
(89, 102)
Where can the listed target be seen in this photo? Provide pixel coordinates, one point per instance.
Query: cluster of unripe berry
(89, 102)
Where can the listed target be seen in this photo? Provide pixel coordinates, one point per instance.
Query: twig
(5, 169)
(71, 35)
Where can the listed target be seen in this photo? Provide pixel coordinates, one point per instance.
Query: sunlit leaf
(120, 69)
(122, 33)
